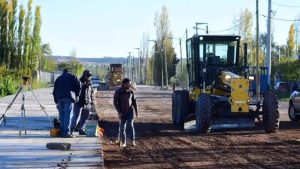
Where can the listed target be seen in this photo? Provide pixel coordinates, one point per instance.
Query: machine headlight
(227, 77)
(251, 77)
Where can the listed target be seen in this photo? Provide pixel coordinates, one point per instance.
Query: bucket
(54, 132)
(91, 128)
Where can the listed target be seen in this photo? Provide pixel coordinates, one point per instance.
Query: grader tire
(174, 106)
(203, 113)
(271, 112)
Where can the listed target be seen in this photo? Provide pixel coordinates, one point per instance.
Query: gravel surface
(161, 145)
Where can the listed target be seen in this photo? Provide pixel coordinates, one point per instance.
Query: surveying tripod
(23, 121)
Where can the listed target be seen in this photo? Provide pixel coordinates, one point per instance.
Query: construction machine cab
(207, 55)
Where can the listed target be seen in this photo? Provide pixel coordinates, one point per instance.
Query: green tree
(291, 40)
(164, 42)
(47, 62)
(4, 33)
(21, 36)
(35, 56)
(12, 33)
(74, 66)
(289, 68)
(27, 36)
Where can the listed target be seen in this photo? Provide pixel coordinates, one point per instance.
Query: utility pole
(130, 66)
(139, 64)
(180, 54)
(162, 66)
(257, 53)
(186, 34)
(133, 69)
(166, 66)
(269, 58)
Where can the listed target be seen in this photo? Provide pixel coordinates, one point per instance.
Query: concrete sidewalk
(29, 151)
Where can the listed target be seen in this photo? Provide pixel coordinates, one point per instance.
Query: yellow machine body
(239, 99)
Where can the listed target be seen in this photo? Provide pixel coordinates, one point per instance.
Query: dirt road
(160, 145)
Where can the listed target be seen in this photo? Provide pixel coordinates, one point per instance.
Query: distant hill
(102, 60)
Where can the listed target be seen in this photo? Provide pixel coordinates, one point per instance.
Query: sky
(99, 28)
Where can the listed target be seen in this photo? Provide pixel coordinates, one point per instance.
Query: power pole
(133, 69)
(180, 54)
(130, 66)
(139, 64)
(269, 58)
(257, 53)
(186, 34)
(166, 66)
(162, 66)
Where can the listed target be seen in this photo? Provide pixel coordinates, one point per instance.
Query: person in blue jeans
(125, 104)
(82, 108)
(65, 93)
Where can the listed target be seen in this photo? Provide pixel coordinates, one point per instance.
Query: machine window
(221, 53)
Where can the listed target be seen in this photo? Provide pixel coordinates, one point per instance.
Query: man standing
(86, 99)
(66, 91)
(125, 102)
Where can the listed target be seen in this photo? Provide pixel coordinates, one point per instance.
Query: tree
(144, 56)
(74, 66)
(244, 28)
(4, 33)
(164, 42)
(35, 56)
(21, 36)
(27, 36)
(47, 62)
(245, 25)
(291, 40)
(12, 33)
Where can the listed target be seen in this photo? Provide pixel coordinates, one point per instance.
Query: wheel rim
(292, 112)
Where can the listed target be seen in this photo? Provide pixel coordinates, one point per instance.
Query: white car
(294, 106)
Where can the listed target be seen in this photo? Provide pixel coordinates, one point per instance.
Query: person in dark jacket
(83, 106)
(125, 102)
(66, 91)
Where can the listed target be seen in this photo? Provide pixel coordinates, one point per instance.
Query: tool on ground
(23, 88)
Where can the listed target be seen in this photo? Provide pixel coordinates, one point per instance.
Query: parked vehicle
(282, 87)
(294, 105)
(95, 82)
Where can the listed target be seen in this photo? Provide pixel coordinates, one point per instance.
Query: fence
(49, 77)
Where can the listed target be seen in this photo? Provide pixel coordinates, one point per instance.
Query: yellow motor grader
(221, 90)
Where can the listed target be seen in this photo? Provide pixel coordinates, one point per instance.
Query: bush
(8, 86)
(35, 84)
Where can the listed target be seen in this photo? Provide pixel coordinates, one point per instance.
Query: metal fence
(49, 77)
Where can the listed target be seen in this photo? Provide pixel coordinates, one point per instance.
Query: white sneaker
(117, 142)
(133, 143)
(123, 145)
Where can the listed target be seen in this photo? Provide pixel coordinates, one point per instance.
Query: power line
(284, 5)
(282, 19)
(231, 28)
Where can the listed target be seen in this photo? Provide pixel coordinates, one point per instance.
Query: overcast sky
(98, 28)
